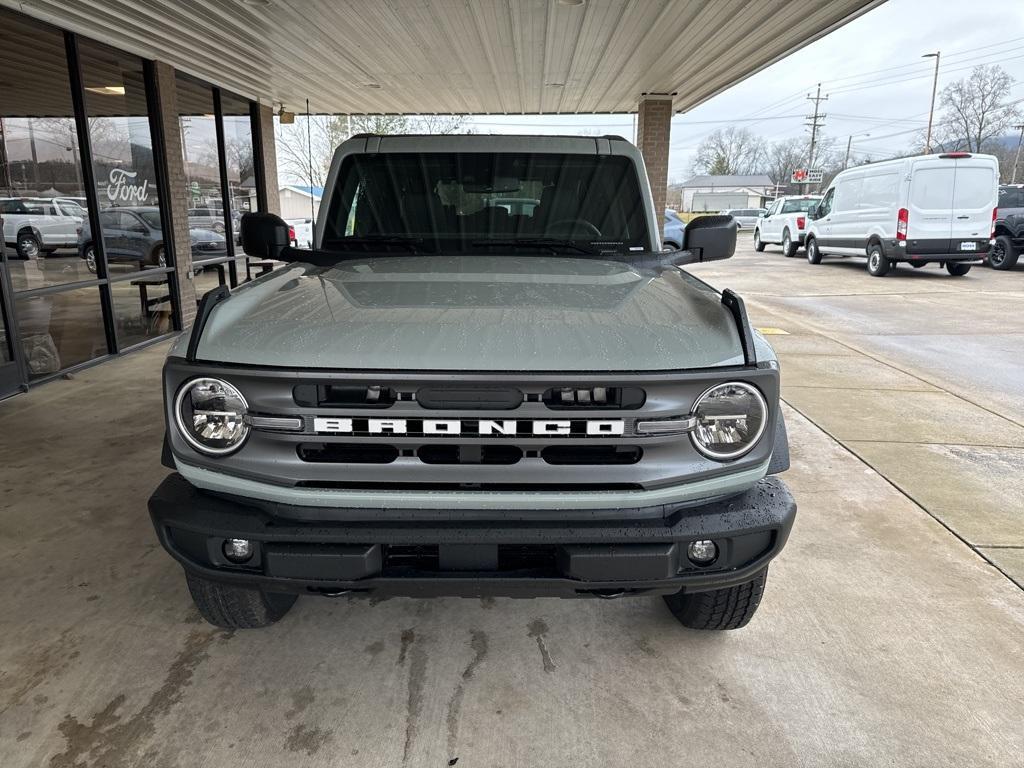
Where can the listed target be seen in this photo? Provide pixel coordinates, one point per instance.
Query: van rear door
(930, 221)
(975, 196)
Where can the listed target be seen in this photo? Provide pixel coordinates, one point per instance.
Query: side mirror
(708, 238)
(264, 235)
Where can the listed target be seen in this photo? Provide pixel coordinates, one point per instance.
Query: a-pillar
(653, 132)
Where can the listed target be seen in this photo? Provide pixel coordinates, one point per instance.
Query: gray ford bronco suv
(486, 378)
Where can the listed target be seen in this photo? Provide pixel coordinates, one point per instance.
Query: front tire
(878, 264)
(28, 246)
(758, 245)
(234, 607)
(957, 269)
(1003, 255)
(813, 254)
(90, 258)
(788, 249)
(729, 608)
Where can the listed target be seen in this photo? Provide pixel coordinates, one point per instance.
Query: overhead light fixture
(572, 3)
(260, 3)
(371, 85)
(286, 118)
(554, 85)
(107, 90)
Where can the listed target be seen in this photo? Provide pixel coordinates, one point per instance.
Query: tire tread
(235, 607)
(729, 608)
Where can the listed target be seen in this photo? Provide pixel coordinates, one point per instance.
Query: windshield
(457, 202)
(800, 206)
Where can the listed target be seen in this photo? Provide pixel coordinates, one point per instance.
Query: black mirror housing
(708, 238)
(264, 235)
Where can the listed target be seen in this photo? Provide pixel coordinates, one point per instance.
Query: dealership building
(133, 136)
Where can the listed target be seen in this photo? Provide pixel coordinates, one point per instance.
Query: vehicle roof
(489, 142)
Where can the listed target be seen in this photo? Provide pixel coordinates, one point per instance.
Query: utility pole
(817, 120)
(849, 141)
(1016, 159)
(931, 112)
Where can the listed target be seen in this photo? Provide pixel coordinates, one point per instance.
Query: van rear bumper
(943, 249)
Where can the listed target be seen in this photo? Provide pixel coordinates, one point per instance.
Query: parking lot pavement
(882, 638)
(918, 373)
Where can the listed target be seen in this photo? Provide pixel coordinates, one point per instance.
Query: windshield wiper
(412, 243)
(551, 243)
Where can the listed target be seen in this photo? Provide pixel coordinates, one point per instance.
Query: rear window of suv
(799, 206)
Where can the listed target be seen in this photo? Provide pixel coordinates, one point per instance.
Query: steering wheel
(572, 226)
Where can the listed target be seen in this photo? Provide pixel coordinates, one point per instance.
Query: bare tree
(782, 158)
(976, 110)
(317, 136)
(730, 151)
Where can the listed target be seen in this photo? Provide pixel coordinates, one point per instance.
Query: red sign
(799, 175)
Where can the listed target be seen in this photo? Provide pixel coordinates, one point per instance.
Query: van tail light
(954, 155)
(901, 224)
(291, 234)
(800, 221)
(992, 234)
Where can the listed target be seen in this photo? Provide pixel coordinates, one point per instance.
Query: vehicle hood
(473, 313)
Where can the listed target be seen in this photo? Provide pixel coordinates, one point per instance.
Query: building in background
(122, 186)
(295, 201)
(721, 193)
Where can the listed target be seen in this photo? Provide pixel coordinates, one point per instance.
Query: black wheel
(1003, 255)
(666, 244)
(729, 608)
(27, 245)
(957, 269)
(758, 245)
(788, 249)
(813, 254)
(878, 264)
(919, 264)
(234, 607)
(159, 258)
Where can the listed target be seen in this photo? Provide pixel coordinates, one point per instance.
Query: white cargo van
(931, 209)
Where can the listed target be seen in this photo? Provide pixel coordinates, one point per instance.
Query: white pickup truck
(34, 225)
(785, 223)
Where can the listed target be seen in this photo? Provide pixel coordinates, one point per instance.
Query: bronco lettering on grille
(469, 427)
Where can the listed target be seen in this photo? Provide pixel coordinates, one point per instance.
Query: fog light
(702, 552)
(240, 550)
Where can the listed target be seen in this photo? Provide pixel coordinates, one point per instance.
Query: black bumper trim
(182, 513)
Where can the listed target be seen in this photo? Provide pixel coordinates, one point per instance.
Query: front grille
(391, 431)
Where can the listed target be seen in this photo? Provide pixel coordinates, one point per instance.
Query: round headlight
(211, 416)
(730, 420)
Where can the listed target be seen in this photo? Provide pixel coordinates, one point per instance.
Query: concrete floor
(883, 638)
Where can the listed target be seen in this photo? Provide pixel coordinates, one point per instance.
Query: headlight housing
(731, 418)
(211, 416)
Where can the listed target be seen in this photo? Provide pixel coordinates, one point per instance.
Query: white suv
(930, 209)
(784, 223)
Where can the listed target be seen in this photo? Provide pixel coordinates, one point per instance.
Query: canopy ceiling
(458, 56)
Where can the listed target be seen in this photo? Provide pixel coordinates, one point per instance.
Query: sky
(870, 68)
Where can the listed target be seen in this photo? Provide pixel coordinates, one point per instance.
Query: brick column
(177, 206)
(653, 131)
(269, 153)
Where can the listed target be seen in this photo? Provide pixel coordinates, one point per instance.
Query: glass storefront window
(198, 124)
(59, 330)
(142, 307)
(122, 155)
(42, 195)
(240, 162)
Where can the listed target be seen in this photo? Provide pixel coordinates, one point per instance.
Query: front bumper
(572, 554)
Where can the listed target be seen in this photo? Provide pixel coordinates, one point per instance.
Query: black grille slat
(591, 454)
(347, 453)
